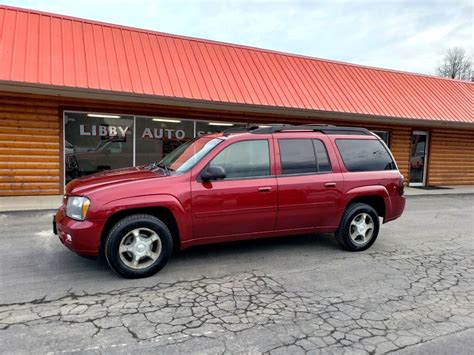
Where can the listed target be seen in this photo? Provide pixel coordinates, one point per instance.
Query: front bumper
(82, 237)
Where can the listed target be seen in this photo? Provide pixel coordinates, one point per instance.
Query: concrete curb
(54, 209)
(443, 195)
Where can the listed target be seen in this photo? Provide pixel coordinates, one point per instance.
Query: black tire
(343, 234)
(120, 231)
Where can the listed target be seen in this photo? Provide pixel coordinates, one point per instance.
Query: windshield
(189, 154)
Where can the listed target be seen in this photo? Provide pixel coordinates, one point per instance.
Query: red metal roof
(49, 49)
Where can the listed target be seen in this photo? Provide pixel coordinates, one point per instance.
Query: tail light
(401, 187)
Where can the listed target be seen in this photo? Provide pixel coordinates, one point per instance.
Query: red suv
(256, 182)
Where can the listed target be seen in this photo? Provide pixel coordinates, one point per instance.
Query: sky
(408, 35)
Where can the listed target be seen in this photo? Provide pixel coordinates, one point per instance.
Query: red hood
(110, 177)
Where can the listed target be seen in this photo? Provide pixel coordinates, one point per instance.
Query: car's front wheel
(138, 246)
(359, 227)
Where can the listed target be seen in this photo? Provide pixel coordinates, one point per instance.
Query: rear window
(364, 155)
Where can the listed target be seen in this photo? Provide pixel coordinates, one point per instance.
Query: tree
(456, 65)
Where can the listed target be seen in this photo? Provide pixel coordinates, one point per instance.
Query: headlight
(77, 207)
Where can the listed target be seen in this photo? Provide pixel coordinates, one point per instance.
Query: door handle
(265, 189)
(330, 184)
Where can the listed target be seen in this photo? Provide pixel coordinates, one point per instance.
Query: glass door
(418, 158)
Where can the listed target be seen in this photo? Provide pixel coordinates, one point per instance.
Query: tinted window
(297, 156)
(321, 156)
(244, 159)
(364, 155)
(302, 156)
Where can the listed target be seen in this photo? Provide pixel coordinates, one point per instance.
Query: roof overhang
(115, 96)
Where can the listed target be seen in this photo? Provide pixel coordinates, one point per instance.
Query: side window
(244, 159)
(297, 156)
(322, 158)
(364, 155)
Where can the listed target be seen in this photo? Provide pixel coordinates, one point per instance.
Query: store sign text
(103, 131)
(159, 133)
(114, 131)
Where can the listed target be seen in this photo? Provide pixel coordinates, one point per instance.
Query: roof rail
(320, 124)
(228, 131)
(249, 128)
(275, 128)
(326, 129)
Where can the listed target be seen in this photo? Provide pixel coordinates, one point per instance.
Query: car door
(245, 201)
(309, 191)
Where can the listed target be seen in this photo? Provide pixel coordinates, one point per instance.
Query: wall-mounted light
(220, 124)
(166, 120)
(102, 116)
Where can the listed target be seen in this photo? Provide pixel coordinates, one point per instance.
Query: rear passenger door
(308, 190)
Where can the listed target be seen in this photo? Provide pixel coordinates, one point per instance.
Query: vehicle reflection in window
(94, 144)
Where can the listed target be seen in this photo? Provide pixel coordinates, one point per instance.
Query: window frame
(281, 174)
(270, 165)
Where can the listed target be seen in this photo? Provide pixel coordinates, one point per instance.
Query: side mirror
(213, 173)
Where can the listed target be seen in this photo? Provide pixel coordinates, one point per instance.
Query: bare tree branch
(456, 65)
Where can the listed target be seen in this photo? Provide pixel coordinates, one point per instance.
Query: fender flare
(369, 191)
(168, 201)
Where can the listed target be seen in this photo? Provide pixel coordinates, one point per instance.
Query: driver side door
(244, 203)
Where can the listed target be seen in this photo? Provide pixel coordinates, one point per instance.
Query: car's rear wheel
(359, 227)
(138, 246)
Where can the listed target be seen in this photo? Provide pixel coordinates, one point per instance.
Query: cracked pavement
(413, 291)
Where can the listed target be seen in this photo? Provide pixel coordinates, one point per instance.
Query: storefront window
(96, 142)
(156, 137)
(384, 135)
(206, 127)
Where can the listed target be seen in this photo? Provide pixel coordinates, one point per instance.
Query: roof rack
(275, 128)
(228, 131)
(326, 129)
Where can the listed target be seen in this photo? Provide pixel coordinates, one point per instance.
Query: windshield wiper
(155, 165)
(164, 167)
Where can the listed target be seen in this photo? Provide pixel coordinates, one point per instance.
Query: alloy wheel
(361, 229)
(140, 248)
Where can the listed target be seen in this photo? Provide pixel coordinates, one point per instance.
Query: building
(78, 96)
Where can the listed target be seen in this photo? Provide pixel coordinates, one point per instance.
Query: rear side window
(364, 155)
(303, 156)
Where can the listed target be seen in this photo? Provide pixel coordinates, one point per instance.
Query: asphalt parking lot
(412, 292)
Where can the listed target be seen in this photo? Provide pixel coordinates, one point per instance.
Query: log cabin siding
(30, 132)
(31, 161)
(451, 157)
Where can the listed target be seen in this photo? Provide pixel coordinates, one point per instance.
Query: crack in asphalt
(432, 294)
